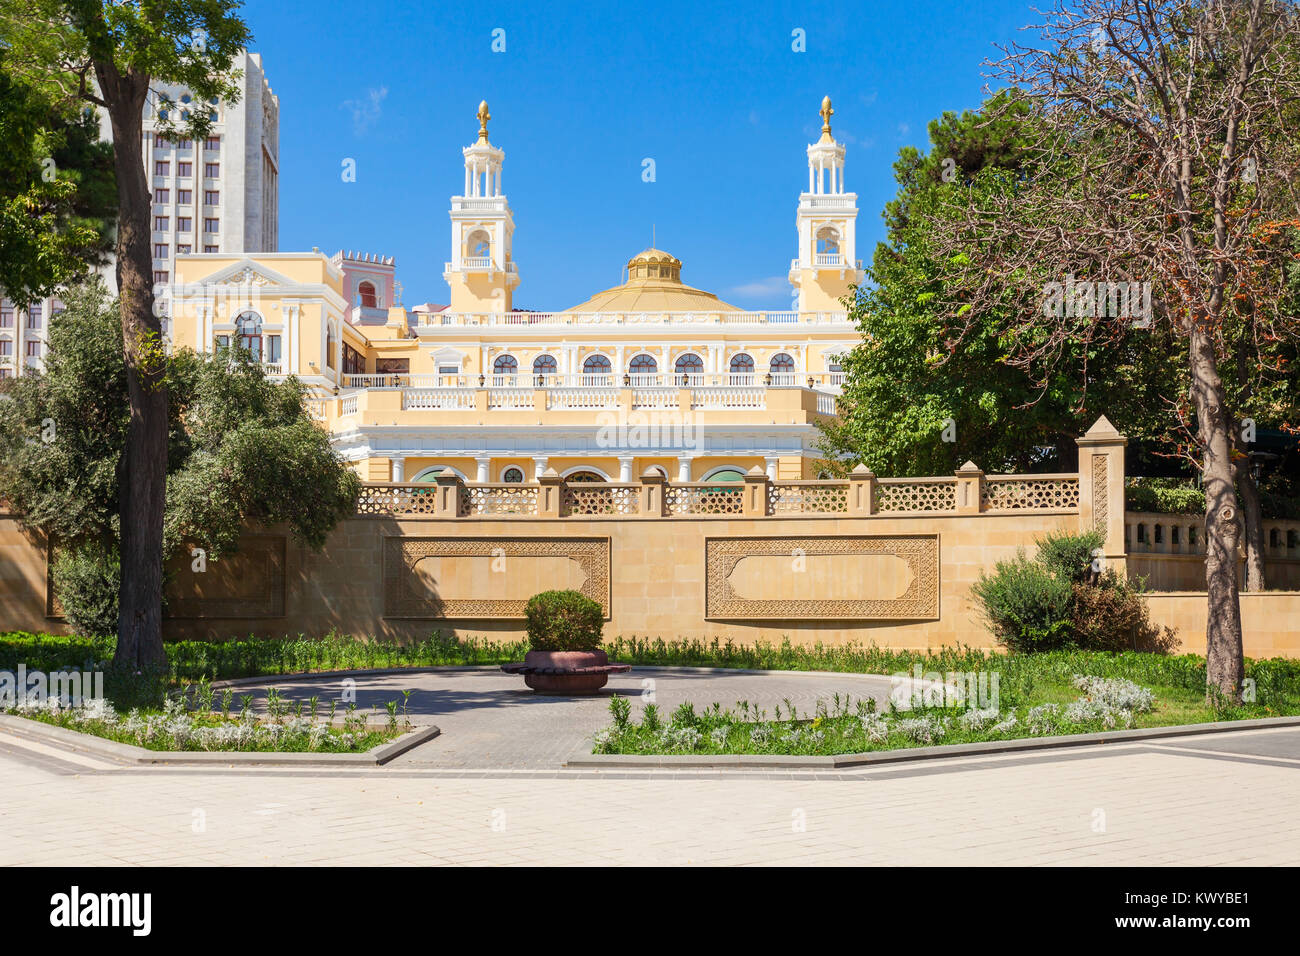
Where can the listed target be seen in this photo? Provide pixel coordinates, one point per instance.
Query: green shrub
(86, 581)
(1164, 495)
(1055, 601)
(1026, 606)
(1069, 555)
(563, 621)
(1111, 616)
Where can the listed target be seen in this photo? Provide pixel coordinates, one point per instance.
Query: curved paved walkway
(490, 720)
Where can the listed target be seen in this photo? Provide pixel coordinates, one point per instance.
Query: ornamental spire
(483, 117)
(826, 113)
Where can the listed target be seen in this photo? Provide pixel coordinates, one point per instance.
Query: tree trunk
(1254, 523)
(144, 461)
(1225, 667)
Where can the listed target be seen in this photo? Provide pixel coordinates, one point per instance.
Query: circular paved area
(490, 720)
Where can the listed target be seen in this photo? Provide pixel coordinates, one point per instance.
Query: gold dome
(654, 284)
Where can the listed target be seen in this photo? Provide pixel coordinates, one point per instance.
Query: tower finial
(826, 113)
(483, 117)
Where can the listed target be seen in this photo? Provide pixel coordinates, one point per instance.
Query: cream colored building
(650, 374)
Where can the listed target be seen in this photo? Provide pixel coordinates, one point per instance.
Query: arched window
(478, 245)
(248, 328)
(585, 475)
(596, 365)
(828, 241)
(433, 471)
(726, 473)
(742, 367)
(643, 368)
(505, 365)
(366, 295)
(689, 367)
(543, 366)
(782, 369)
(513, 476)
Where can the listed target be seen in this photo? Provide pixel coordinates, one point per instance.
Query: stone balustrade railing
(861, 495)
(431, 320)
(1155, 533)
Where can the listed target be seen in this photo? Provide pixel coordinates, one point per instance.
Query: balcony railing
(432, 320)
(481, 263)
(862, 495)
(638, 380)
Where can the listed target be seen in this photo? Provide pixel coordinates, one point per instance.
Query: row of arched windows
(642, 364)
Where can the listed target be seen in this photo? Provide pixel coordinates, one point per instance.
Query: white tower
(481, 272)
(827, 223)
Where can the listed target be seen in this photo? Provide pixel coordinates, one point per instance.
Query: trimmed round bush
(563, 621)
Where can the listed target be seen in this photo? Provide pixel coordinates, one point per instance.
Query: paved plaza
(1213, 799)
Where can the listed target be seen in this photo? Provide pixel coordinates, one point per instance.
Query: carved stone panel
(854, 577)
(492, 577)
(246, 584)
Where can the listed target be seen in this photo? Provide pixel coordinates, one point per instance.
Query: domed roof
(654, 284)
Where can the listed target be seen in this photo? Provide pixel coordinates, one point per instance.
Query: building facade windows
(161, 195)
(211, 170)
(544, 365)
(248, 330)
(6, 314)
(643, 366)
(184, 169)
(185, 196)
(689, 367)
(161, 223)
(162, 167)
(211, 197)
(160, 250)
(34, 315)
(505, 365)
(742, 363)
(354, 363)
(211, 225)
(513, 475)
(184, 224)
(596, 365)
(366, 295)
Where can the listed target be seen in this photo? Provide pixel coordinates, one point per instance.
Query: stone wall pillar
(650, 498)
(549, 492)
(447, 494)
(970, 489)
(1101, 488)
(754, 504)
(862, 491)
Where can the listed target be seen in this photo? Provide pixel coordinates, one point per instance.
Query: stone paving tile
(1161, 808)
(490, 719)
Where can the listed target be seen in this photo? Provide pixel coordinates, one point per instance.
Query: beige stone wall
(1270, 621)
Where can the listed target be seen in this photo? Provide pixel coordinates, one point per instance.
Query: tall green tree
(57, 192)
(1177, 165)
(914, 403)
(242, 449)
(110, 55)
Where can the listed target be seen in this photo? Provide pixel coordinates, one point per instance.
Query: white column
(539, 466)
(482, 463)
(684, 468)
(624, 468)
(467, 187)
(771, 466)
(810, 177)
(399, 469)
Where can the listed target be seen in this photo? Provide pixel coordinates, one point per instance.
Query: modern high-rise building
(221, 195)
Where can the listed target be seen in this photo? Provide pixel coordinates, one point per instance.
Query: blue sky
(582, 94)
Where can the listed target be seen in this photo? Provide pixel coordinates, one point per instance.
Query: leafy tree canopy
(913, 404)
(242, 448)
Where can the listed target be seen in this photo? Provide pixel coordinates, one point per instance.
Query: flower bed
(844, 726)
(175, 728)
